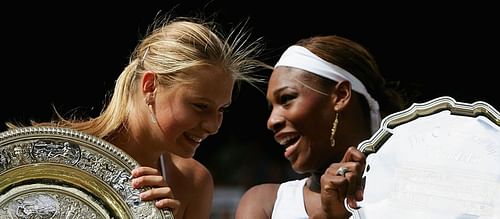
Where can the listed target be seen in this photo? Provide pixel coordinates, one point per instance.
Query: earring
(334, 129)
(149, 99)
(153, 116)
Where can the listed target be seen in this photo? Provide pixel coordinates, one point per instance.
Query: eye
(224, 109)
(286, 98)
(200, 106)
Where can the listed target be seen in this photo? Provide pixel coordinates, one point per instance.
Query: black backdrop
(69, 56)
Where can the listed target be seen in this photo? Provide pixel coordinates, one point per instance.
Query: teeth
(196, 139)
(286, 140)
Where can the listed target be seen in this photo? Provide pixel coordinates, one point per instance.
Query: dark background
(68, 55)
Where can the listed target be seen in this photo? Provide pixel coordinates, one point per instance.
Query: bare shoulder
(194, 187)
(194, 172)
(257, 202)
(263, 189)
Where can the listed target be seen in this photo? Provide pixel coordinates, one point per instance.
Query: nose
(276, 121)
(212, 123)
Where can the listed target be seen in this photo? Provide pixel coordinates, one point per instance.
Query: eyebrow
(210, 101)
(279, 90)
(275, 94)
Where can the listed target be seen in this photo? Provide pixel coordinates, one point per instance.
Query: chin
(186, 155)
(298, 169)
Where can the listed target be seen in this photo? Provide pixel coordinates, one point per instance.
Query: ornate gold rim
(67, 160)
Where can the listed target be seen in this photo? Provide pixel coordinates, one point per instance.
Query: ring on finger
(342, 171)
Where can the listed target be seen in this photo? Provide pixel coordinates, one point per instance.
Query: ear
(148, 82)
(341, 95)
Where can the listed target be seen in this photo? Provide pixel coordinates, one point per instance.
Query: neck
(315, 181)
(136, 149)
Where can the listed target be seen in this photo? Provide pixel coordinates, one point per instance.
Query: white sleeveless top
(289, 202)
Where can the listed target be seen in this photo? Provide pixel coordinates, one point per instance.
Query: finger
(157, 194)
(350, 172)
(141, 171)
(353, 154)
(148, 180)
(333, 192)
(171, 204)
(331, 181)
(359, 160)
(335, 188)
(354, 184)
(163, 197)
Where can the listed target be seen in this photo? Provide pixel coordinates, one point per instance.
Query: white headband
(300, 57)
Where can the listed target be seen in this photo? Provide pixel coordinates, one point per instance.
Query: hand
(336, 186)
(160, 191)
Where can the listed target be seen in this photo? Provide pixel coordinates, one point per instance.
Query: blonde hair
(170, 49)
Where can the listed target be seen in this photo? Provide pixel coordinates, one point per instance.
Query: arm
(257, 202)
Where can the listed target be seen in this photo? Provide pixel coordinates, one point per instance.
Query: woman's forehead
(283, 74)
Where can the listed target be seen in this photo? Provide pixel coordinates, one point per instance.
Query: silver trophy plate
(436, 160)
(56, 173)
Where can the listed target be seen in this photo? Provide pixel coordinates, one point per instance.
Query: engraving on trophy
(49, 201)
(58, 152)
(31, 206)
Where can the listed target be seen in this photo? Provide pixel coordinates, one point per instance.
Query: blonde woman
(168, 99)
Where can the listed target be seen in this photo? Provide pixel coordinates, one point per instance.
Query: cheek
(175, 121)
(310, 117)
(305, 112)
(310, 121)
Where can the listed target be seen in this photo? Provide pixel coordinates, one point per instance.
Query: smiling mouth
(194, 138)
(289, 140)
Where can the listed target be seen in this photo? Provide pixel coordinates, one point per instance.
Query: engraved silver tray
(56, 173)
(436, 160)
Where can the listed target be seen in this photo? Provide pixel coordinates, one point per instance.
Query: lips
(194, 138)
(287, 140)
